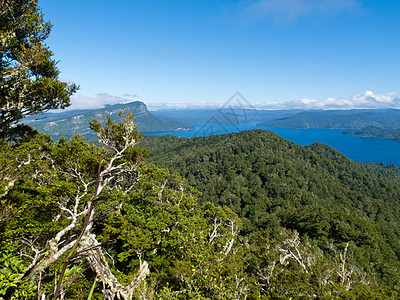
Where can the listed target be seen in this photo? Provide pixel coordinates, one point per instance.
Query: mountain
(68, 123)
(224, 115)
(324, 119)
(387, 118)
(273, 183)
(376, 132)
(338, 119)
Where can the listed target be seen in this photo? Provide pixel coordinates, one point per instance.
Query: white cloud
(83, 102)
(287, 11)
(132, 96)
(80, 101)
(181, 105)
(357, 101)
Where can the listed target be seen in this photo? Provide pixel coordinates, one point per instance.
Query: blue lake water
(356, 148)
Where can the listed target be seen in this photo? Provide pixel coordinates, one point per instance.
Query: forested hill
(273, 183)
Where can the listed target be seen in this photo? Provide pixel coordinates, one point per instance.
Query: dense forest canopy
(314, 190)
(269, 214)
(76, 215)
(239, 216)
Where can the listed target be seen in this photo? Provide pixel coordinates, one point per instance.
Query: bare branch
(100, 266)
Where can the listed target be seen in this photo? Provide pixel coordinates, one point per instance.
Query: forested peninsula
(376, 132)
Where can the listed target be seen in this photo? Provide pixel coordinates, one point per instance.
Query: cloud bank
(288, 11)
(368, 100)
(80, 101)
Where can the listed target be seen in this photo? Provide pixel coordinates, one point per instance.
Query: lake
(356, 148)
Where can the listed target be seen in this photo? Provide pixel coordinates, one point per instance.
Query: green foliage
(308, 221)
(39, 181)
(28, 75)
(11, 284)
(92, 289)
(158, 220)
(273, 184)
(274, 220)
(161, 223)
(117, 133)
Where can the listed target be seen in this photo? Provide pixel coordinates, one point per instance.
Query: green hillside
(272, 183)
(250, 216)
(284, 222)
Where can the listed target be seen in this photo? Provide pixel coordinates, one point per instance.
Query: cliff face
(78, 124)
(138, 108)
(141, 108)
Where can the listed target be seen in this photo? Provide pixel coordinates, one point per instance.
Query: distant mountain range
(225, 115)
(323, 119)
(338, 120)
(76, 122)
(307, 120)
(377, 123)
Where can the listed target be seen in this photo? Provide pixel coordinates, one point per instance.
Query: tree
(29, 82)
(67, 179)
(72, 212)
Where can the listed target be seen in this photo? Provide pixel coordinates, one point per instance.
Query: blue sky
(276, 53)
